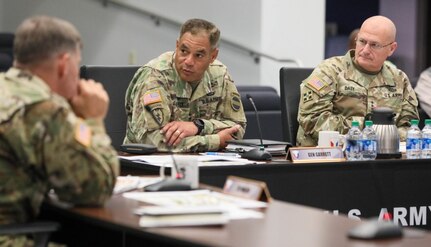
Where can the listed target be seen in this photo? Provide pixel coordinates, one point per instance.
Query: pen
(223, 154)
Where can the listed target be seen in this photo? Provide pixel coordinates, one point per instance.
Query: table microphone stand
(168, 183)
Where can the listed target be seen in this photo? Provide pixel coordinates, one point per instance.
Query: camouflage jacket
(423, 90)
(337, 92)
(156, 96)
(44, 146)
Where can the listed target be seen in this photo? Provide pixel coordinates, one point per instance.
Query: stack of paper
(128, 183)
(160, 216)
(203, 160)
(186, 208)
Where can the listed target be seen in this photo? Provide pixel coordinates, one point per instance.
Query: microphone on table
(257, 153)
(168, 183)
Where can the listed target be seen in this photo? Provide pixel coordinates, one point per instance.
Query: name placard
(247, 188)
(312, 154)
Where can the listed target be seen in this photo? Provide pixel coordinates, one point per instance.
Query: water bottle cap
(427, 121)
(414, 122)
(355, 123)
(369, 123)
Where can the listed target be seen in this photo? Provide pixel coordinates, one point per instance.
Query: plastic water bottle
(413, 143)
(426, 140)
(369, 142)
(354, 142)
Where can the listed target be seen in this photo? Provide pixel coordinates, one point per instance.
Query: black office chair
(267, 102)
(6, 50)
(115, 80)
(290, 80)
(40, 230)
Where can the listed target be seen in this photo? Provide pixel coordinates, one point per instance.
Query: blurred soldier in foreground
(51, 126)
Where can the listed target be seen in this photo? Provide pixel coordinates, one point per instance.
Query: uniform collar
(354, 73)
(20, 75)
(185, 90)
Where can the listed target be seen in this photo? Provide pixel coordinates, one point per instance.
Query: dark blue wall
(349, 14)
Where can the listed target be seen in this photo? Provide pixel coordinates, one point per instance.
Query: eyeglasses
(373, 45)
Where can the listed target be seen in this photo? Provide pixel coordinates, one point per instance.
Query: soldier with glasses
(346, 88)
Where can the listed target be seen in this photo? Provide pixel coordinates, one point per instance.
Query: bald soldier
(51, 126)
(185, 101)
(346, 88)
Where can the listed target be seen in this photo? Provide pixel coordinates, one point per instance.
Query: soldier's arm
(81, 164)
(316, 106)
(409, 108)
(229, 113)
(152, 109)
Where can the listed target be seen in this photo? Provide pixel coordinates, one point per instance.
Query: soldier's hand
(92, 100)
(176, 131)
(226, 135)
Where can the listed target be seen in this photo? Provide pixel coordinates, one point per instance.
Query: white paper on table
(128, 183)
(193, 198)
(203, 160)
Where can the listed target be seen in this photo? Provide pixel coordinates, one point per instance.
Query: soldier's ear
(62, 64)
(214, 54)
(393, 47)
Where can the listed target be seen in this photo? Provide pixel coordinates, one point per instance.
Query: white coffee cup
(330, 138)
(188, 166)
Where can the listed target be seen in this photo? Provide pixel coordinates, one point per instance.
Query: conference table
(283, 224)
(358, 189)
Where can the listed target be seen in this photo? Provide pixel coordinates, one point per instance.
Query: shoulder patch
(152, 97)
(83, 133)
(316, 83)
(235, 102)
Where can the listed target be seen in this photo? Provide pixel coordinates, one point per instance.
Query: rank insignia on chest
(152, 97)
(316, 83)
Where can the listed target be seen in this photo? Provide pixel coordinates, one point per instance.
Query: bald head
(375, 43)
(380, 26)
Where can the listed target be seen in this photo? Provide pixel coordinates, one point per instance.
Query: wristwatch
(200, 124)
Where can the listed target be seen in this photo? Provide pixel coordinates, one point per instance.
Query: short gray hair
(40, 37)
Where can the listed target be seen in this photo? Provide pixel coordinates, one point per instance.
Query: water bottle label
(426, 143)
(369, 145)
(413, 144)
(353, 146)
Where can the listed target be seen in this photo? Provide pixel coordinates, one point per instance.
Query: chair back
(267, 102)
(290, 81)
(6, 51)
(115, 80)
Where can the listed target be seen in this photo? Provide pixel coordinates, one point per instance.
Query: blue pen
(223, 154)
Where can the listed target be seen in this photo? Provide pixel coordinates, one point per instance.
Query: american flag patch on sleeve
(152, 97)
(83, 133)
(316, 83)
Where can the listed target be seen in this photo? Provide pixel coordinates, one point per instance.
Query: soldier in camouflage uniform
(51, 126)
(423, 90)
(346, 88)
(185, 101)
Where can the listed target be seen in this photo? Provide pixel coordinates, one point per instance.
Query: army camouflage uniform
(157, 96)
(43, 146)
(338, 92)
